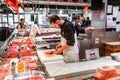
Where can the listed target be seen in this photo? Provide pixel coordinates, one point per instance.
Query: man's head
(22, 21)
(77, 19)
(55, 21)
(88, 18)
(22, 5)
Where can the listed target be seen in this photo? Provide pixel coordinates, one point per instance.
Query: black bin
(4, 33)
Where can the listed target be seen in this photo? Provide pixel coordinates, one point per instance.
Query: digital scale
(115, 56)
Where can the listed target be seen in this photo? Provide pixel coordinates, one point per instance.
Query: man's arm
(80, 29)
(84, 29)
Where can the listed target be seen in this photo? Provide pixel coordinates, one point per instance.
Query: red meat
(50, 52)
(11, 53)
(105, 72)
(27, 53)
(32, 65)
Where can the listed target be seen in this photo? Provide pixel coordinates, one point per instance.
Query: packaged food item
(20, 67)
(5, 70)
(27, 53)
(11, 53)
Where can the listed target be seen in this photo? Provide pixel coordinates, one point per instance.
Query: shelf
(57, 3)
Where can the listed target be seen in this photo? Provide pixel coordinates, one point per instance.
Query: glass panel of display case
(15, 24)
(40, 19)
(22, 16)
(10, 19)
(16, 18)
(27, 18)
(4, 18)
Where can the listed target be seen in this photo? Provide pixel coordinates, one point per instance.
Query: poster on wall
(115, 11)
(109, 9)
(117, 27)
(118, 16)
(110, 23)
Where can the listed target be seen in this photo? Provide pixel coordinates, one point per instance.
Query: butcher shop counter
(55, 67)
(58, 69)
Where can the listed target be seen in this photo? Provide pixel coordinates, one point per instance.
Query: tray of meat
(50, 52)
(5, 70)
(29, 58)
(29, 76)
(27, 47)
(31, 62)
(13, 45)
(32, 65)
(27, 53)
(11, 53)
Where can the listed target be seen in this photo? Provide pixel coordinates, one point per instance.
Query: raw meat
(50, 52)
(105, 72)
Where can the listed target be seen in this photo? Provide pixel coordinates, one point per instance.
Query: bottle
(13, 68)
(20, 67)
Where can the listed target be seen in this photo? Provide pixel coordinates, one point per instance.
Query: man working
(68, 45)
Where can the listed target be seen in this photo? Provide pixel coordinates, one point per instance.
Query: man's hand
(89, 28)
(58, 46)
(59, 51)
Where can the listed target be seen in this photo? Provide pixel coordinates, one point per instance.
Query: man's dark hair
(54, 18)
(21, 19)
(88, 18)
(76, 17)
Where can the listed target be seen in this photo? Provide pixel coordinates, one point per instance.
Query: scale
(115, 56)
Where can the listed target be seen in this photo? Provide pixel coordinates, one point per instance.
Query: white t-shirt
(21, 10)
(33, 30)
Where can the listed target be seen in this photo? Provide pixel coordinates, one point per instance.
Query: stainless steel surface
(103, 36)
